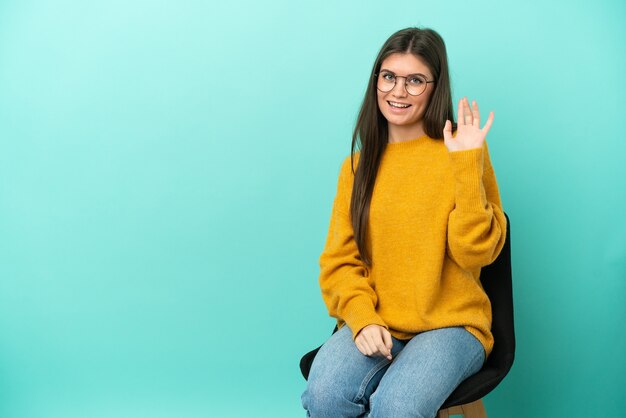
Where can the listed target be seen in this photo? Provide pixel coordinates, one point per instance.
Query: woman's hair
(371, 130)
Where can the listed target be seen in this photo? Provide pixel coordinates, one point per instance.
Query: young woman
(410, 229)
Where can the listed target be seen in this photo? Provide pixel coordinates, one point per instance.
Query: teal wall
(167, 170)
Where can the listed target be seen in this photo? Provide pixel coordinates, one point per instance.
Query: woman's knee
(323, 400)
(329, 387)
(389, 403)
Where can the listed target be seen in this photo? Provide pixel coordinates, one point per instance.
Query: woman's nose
(399, 89)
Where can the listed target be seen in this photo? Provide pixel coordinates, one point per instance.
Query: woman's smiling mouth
(398, 106)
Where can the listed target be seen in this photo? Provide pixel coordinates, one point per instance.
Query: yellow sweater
(435, 220)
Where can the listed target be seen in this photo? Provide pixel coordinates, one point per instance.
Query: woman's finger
(388, 341)
(371, 344)
(488, 124)
(372, 340)
(382, 349)
(476, 113)
(459, 113)
(467, 112)
(358, 345)
(362, 344)
(365, 349)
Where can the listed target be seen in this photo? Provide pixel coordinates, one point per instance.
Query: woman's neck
(401, 133)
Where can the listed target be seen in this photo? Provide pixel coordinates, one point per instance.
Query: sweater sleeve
(344, 279)
(476, 225)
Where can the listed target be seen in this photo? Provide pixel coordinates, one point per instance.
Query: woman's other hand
(374, 340)
(469, 135)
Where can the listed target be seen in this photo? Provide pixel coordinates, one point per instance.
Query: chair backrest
(496, 279)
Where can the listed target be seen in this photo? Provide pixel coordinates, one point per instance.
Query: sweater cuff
(467, 167)
(359, 313)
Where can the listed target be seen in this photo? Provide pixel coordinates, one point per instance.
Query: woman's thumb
(447, 129)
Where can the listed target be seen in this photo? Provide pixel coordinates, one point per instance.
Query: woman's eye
(416, 80)
(388, 76)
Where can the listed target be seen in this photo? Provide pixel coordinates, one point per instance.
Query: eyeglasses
(415, 84)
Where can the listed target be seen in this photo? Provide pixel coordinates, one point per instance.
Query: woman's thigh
(342, 378)
(428, 369)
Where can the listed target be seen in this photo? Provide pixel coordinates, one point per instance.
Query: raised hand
(469, 135)
(374, 340)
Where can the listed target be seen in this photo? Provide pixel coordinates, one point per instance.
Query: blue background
(167, 171)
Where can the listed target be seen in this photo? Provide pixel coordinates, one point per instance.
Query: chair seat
(474, 387)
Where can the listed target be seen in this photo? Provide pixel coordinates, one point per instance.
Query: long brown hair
(371, 130)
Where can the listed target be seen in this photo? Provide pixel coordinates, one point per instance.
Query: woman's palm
(469, 135)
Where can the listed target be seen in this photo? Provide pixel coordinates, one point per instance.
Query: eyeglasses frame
(405, 82)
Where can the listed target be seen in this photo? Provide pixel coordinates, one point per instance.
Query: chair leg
(453, 410)
(474, 409)
(443, 413)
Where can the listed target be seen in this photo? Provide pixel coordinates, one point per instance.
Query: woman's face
(403, 64)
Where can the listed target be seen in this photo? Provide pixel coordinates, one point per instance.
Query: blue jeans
(344, 383)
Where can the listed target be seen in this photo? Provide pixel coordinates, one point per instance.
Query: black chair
(466, 399)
